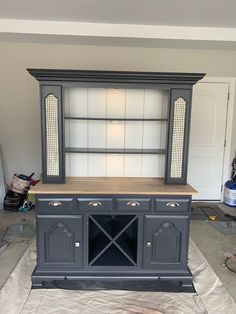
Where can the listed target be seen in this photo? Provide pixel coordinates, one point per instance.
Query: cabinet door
(59, 242)
(166, 241)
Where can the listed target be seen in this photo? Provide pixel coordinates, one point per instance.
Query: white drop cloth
(212, 297)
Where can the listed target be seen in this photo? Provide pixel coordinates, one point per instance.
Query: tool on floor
(210, 212)
(212, 217)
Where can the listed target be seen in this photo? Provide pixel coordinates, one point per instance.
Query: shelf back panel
(112, 104)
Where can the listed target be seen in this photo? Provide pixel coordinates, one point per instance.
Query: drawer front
(171, 204)
(95, 205)
(55, 206)
(133, 204)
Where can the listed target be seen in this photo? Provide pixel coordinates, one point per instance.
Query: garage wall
(19, 92)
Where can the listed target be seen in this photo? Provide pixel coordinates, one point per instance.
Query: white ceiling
(198, 23)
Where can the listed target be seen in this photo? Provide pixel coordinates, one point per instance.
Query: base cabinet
(110, 239)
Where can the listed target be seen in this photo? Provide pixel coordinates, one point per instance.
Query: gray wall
(19, 92)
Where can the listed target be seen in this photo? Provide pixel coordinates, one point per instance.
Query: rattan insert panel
(178, 138)
(52, 131)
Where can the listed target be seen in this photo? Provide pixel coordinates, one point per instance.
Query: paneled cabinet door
(165, 241)
(59, 242)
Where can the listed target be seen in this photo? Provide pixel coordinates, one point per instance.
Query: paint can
(230, 193)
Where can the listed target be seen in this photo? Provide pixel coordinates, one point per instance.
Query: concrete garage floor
(211, 242)
(10, 256)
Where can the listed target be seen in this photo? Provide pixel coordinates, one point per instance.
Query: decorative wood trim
(166, 231)
(126, 77)
(55, 229)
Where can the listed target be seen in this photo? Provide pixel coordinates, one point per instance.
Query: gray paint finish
(119, 236)
(178, 84)
(59, 242)
(165, 241)
(45, 90)
(113, 243)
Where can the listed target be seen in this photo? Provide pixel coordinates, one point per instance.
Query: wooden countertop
(111, 185)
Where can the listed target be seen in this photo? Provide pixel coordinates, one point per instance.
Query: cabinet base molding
(167, 282)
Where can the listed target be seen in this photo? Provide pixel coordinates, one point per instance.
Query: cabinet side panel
(178, 136)
(52, 134)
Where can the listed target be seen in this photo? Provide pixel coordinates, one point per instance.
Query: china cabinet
(113, 207)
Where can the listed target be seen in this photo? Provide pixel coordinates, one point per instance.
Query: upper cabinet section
(106, 123)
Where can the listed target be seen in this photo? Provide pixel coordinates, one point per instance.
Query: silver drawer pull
(172, 204)
(148, 243)
(55, 203)
(133, 203)
(95, 203)
(76, 244)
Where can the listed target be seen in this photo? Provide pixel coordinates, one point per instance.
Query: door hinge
(221, 187)
(228, 95)
(224, 143)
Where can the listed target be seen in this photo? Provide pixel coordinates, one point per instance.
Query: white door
(207, 138)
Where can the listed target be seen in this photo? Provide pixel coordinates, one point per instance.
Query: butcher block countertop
(111, 185)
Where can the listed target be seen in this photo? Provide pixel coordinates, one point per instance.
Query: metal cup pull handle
(55, 203)
(172, 204)
(77, 244)
(133, 203)
(95, 203)
(148, 243)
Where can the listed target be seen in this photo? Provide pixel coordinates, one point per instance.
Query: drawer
(133, 204)
(172, 204)
(95, 204)
(55, 206)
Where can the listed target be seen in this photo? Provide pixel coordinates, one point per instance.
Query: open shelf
(113, 240)
(116, 131)
(81, 150)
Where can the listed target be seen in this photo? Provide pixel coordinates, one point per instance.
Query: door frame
(230, 142)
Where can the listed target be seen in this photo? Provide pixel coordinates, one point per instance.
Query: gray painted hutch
(113, 231)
